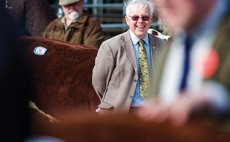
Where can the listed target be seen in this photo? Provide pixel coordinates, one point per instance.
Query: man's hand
(177, 112)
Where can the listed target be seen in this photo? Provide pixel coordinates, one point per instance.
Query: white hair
(139, 4)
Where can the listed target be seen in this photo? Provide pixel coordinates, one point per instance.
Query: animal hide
(60, 74)
(87, 127)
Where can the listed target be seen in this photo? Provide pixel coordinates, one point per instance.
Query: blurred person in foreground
(119, 79)
(193, 75)
(76, 26)
(14, 85)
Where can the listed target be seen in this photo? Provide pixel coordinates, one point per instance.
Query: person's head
(71, 6)
(139, 16)
(186, 14)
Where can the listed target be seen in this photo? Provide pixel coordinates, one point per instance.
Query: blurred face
(184, 14)
(67, 9)
(139, 21)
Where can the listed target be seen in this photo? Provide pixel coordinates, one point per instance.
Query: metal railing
(109, 15)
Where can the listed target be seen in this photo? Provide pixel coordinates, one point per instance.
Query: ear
(151, 18)
(127, 20)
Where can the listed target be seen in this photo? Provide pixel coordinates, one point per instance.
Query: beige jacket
(115, 73)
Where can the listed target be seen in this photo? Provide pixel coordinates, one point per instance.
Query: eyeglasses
(136, 18)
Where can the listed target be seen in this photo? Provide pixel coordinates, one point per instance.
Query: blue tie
(186, 65)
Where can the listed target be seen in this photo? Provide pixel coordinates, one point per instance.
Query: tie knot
(188, 42)
(141, 42)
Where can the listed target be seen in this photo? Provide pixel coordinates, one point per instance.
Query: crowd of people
(135, 71)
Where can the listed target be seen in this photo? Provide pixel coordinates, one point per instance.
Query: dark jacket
(86, 31)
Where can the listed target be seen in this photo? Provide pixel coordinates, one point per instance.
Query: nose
(140, 19)
(71, 6)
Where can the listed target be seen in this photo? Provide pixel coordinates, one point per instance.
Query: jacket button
(135, 80)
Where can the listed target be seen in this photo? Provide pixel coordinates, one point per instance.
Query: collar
(135, 39)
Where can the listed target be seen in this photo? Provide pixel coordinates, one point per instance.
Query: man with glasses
(124, 64)
(76, 26)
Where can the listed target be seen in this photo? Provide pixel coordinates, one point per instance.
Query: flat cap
(67, 2)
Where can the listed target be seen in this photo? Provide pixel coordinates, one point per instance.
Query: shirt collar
(135, 39)
(81, 19)
(63, 20)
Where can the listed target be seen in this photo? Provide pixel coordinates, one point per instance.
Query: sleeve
(218, 96)
(47, 30)
(103, 69)
(95, 35)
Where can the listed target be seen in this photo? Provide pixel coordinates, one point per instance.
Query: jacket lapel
(128, 49)
(153, 49)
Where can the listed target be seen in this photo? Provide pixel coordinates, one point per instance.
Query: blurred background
(109, 13)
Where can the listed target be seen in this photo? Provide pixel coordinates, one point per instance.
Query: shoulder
(56, 21)
(86, 17)
(156, 40)
(89, 21)
(118, 39)
(54, 24)
(114, 44)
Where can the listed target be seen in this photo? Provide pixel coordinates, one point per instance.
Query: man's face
(180, 13)
(139, 26)
(73, 7)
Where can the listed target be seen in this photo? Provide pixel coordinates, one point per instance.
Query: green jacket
(86, 31)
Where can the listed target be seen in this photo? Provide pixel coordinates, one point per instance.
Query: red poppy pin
(209, 64)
